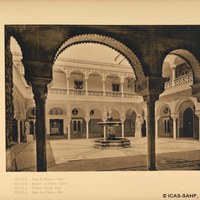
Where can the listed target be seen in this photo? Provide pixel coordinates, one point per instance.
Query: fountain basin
(117, 142)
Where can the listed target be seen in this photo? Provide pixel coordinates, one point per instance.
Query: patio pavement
(80, 155)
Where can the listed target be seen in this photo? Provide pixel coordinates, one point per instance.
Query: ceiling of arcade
(145, 47)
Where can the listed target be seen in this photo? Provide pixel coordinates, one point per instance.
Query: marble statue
(27, 127)
(138, 125)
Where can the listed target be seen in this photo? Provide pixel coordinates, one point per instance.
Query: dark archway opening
(188, 117)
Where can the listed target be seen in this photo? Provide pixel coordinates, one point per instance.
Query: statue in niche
(27, 127)
(138, 125)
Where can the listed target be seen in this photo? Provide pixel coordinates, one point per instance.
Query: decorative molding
(107, 41)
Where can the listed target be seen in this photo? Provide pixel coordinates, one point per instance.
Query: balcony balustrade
(113, 94)
(182, 80)
(95, 93)
(81, 92)
(77, 92)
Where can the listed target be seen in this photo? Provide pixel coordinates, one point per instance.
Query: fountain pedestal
(117, 142)
(110, 140)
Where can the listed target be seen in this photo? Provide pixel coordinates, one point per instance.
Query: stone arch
(84, 114)
(116, 75)
(181, 101)
(129, 123)
(116, 108)
(77, 70)
(164, 120)
(191, 122)
(107, 41)
(95, 130)
(95, 80)
(94, 73)
(130, 109)
(190, 59)
(160, 106)
(97, 108)
(57, 108)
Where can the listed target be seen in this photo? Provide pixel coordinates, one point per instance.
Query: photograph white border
(96, 185)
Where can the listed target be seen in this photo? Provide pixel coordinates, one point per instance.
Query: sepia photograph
(99, 100)
(102, 98)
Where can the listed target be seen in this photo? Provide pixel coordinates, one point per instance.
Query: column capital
(172, 65)
(150, 86)
(35, 69)
(40, 92)
(122, 119)
(174, 116)
(87, 118)
(18, 116)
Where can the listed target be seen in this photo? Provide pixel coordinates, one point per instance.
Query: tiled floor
(80, 155)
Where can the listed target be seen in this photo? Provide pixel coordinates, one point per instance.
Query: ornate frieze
(8, 92)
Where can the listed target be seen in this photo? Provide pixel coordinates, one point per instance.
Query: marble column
(67, 85)
(151, 146)
(87, 119)
(86, 87)
(174, 116)
(122, 89)
(68, 108)
(123, 128)
(40, 91)
(104, 88)
(87, 129)
(104, 132)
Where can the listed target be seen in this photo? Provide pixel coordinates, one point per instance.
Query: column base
(29, 138)
(152, 169)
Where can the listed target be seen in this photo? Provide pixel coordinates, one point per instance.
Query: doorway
(188, 117)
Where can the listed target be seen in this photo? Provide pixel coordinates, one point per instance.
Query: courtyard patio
(80, 155)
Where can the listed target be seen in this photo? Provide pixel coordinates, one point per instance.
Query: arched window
(56, 111)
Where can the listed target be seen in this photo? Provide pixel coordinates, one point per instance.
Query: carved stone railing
(188, 78)
(182, 80)
(77, 92)
(168, 85)
(129, 95)
(57, 91)
(113, 94)
(95, 93)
